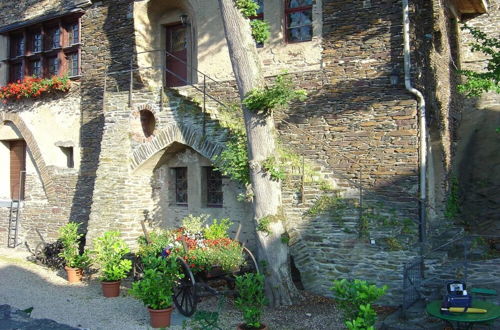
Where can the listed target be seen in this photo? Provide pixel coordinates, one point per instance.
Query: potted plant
(250, 300)
(75, 262)
(156, 288)
(108, 255)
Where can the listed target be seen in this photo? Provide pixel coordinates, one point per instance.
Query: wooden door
(17, 165)
(177, 55)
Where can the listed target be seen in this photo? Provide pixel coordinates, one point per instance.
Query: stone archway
(173, 133)
(34, 149)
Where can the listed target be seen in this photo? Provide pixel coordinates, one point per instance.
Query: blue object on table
(457, 296)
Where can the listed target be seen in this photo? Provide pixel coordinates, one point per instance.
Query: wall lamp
(184, 19)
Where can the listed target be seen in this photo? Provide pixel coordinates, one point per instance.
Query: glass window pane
(37, 42)
(299, 3)
(214, 187)
(181, 196)
(261, 6)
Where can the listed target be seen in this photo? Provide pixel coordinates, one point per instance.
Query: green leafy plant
(354, 297)
(263, 225)
(158, 240)
(265, 100)
(393, 244)
(193, 225)
(70, 239)
(478, 83)
(233, 160)
(272, 166)
(365, 320)
(108, 255)
(260, 28)
(156, 288)
(217, 229)
(251, 298)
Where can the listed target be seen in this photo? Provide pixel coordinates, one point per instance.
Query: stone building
(133, 141)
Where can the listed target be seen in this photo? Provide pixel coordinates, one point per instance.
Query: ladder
(15, 209)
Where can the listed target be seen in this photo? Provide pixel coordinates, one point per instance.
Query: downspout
(422, 123)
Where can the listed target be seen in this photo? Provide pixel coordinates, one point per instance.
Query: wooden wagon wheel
(40, 252)
(185, 298)
(250, 265)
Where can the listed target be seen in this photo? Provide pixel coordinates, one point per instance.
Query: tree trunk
(280, 289)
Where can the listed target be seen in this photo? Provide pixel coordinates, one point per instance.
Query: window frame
(207, 171)
(63, 49)
(176, 185)
(287, 11)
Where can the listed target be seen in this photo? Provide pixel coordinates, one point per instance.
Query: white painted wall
(4, 171)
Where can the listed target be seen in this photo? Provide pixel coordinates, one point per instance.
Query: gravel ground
(24, 285)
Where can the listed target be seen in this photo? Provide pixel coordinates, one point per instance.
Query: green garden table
(465, 320)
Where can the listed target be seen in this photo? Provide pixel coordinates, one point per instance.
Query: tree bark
(245, 61)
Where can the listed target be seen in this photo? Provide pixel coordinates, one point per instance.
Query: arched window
(148, 122)
(298, 20)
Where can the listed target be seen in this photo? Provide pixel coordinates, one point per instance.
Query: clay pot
(110, 289)
(242, 326)
(160, 318)
(74, 274)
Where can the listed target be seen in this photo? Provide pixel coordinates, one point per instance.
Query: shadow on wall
(104, 27)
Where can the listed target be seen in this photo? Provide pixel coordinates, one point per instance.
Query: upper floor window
(17, 45)
(298, 20)
(53, 38)
(37, 42)
(45, 49)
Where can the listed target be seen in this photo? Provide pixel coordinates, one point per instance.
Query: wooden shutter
(17, 164)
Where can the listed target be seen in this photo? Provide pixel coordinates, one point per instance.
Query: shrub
(157, 286)
(70, 239)
(109, 252)
(355, 298)
(217, 229)
(251, 298)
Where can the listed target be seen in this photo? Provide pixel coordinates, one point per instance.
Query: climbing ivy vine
(280, 94)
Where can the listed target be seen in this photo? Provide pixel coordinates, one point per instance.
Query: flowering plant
(33, 87)
(201, 246)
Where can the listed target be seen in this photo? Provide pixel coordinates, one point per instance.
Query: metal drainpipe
(421, 114)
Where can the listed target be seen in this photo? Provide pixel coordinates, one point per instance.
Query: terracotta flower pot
(74, 274)
(110, 289)
(160, 318)
(242, 326)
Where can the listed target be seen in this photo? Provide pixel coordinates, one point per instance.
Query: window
(17, 45)
(259, 16)
(53, 38)
(37, 42)
(298, 20)
(73, 34)
(16, 71)
(35, 69)
(73, 65)
(213, 187)
(181, 186)
(53, 66)
(45, 49)
(70, 160)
